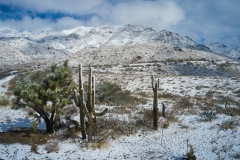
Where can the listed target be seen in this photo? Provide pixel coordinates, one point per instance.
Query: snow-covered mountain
(235, 53)
(56, 45)
(218, 48)
(223, 50)
(79, 38)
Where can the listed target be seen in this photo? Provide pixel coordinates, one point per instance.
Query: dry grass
(230, 124)
(12, 83)
(168, 96)
(4, 101)
(97, 145)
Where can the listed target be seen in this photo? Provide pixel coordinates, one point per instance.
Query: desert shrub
(207, 115)
(30, 113)
(12, 83)
(71, 131)
(34, 126)
(183, 103)
(236, 155)
(111, 92)
(148, 115)
(52, 147)
(143, 94)
(140, 100)
(97, 145)
(230, 124)
(69, 111)
(165, 95)
(200, 87)
(190, 154)
(237, 91)
(4, 101)
(209, 94)
(228, 111)
(171, 116)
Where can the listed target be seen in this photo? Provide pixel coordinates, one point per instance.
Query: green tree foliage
(49, 96)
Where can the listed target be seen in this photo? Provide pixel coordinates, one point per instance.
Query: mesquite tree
(49, 96)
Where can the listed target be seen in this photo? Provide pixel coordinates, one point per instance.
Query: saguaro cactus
(163, 110)
(89, 107)
(79, 101)
(155, 86)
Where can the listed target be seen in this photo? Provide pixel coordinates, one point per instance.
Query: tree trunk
(49, 125)
(57, 123)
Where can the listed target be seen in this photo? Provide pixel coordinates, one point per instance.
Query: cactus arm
(75, 96)
(80, 77)
(89, 98)
(152, 81)
(93, 93)
(85, 108)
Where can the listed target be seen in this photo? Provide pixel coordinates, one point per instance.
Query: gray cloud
(208, 21)
(157, 14)
(204, 21)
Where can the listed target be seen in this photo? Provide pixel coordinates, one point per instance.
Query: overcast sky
(204, 21)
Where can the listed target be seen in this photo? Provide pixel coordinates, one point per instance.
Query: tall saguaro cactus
(89, 107)
(79, 101)
(155, 86)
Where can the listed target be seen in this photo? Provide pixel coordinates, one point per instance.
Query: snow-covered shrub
(190, 154)
(231, 124)
(52, 147)
(207, 115)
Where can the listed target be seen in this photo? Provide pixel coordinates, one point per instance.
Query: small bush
(143, 94)
(111, 92)
(52, 147)
(4, 101)
(30, 113)
(167, 96)
(171, 116)
(183, 103)
(34, 126)
(12, 83)
(190, 154)
(69, 111)
(230, 124)
(228, 111)
(208, 115)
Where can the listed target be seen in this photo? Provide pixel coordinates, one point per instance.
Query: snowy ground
(217, 138)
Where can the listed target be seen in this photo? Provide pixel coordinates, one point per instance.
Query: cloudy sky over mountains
(204, 21)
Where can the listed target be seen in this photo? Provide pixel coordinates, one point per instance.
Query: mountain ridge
(79, 38)
(54, 46)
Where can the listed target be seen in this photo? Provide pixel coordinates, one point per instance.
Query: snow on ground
(2, 81)
(210, 139)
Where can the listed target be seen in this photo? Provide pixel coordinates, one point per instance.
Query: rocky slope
(139, 53)
(11, 57)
